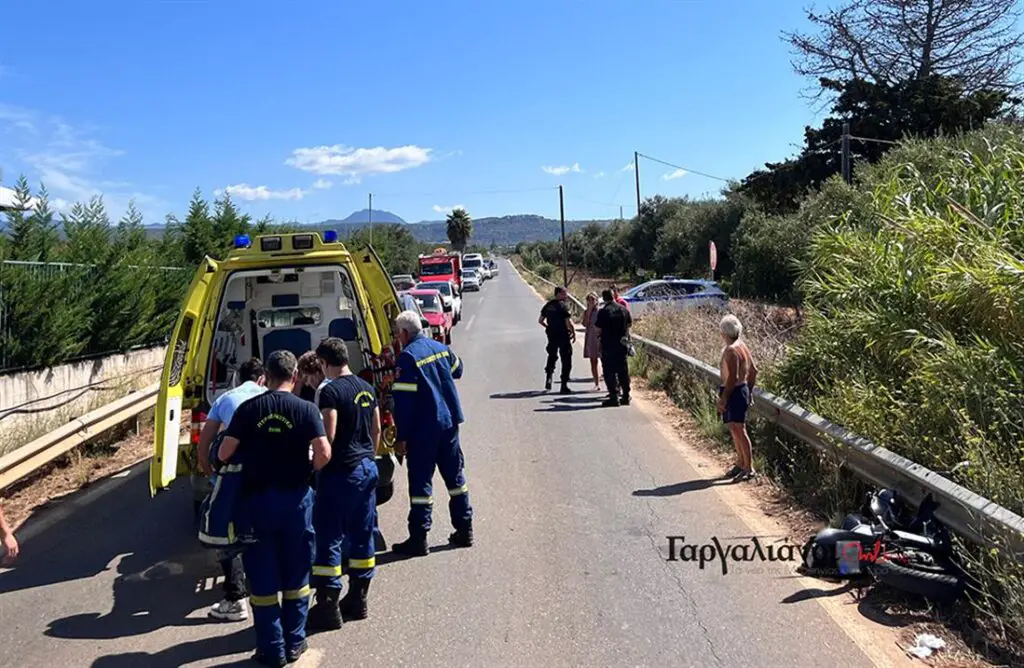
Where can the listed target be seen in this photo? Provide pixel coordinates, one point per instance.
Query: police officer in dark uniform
(427, 416)
(345, 512)
(273, 434)
(557, 322)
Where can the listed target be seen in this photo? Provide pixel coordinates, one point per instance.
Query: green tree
(228, 222)
(460, 228)
(197, 230)
(130, 234)
(883, 113)
(21, 230)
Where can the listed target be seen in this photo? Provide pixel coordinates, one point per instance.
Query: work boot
(547, 382)
(415, 546)
(353, 606)
(462, 537)
(292, 654)
(625, 400)
(269, 660)
(610, 402)
(325, 614)
(565, 389)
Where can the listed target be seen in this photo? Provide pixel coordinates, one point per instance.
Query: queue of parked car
(440, 302)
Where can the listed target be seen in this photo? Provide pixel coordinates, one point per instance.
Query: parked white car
(470, 280)
(475, 261)
(449, 295)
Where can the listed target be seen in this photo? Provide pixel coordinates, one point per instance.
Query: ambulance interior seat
(345, 329)
(296, 341)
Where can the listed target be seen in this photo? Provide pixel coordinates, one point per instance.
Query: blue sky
(300, 109)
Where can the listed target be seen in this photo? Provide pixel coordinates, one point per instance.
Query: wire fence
(37, 295)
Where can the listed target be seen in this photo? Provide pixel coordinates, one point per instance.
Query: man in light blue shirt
(232, 608)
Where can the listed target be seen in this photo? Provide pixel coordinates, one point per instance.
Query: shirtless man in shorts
(736, 394)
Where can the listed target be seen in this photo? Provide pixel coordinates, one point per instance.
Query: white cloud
(561, 170)
(261, 193)
(671, 176)
(67, 160)
(322, 184)
(628, 167)
(355, 163)
(8, 199)
(447, 209)
(599, 175)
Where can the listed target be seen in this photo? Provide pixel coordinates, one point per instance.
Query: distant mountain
(503, 231)
(376, 216)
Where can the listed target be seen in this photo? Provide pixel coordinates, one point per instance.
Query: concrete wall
(35, 402)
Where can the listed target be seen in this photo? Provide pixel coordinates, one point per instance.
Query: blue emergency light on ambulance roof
(242, 241)
(330, 236)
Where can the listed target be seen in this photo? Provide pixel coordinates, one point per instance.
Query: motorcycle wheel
(935, 579)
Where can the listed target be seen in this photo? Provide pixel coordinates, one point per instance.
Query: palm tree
(460, 228)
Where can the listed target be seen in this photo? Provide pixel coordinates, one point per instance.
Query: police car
(675, 294)
(274, 292)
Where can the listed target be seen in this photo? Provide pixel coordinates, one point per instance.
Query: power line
(877, 141)
(685, 169)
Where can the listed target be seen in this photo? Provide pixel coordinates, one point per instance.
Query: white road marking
(470, 323)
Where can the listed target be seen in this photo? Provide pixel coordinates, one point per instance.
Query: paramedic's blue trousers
(344, 516)
(279, 564)
(440, 449)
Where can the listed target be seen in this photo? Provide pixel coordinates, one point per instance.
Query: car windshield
(443, 288)
(470, 264)
(437, 269)
(469, 273)
(429, 303)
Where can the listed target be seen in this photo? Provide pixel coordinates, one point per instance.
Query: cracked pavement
(573, 507)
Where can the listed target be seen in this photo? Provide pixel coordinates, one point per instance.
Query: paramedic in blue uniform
(427, 416)
(273, 433)
(345, 511)
(232, 608)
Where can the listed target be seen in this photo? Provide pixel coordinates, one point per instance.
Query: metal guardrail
(29, 458)
(971, 515)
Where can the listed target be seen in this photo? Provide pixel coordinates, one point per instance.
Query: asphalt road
(573, 505)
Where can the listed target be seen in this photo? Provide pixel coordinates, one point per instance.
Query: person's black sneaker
(277, 661)
(415, 546)
(625, 400)
(292, 654)
(565, 389)
(610, 403)
(547, 382)
(733, 472)
(462, 538)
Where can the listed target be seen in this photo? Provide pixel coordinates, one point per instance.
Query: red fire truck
(442, 265)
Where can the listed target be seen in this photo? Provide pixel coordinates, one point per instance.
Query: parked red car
(437, 314)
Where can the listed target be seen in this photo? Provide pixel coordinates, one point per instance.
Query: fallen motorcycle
(912, 555)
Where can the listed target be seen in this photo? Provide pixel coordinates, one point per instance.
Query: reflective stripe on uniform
(263, 601)
(327, 571)
(214, 540)
(403, 387)
(456, 363)
(433, 358)
(363, 563)
(230, 468)
(296, 594)
(421, 500)
(458, 491)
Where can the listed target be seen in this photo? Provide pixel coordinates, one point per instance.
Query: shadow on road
(186, 653)
(524, 394)
(393, 557)
(678, 488)
(570, 404)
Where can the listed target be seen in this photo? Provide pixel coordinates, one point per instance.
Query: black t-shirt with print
(614, 322)
(555, 313)
(354, 400)
(274, 431)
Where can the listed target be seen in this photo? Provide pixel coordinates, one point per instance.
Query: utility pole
(847, 172)
(369, 218)
(636, 170)
(565, 254)
(620, 212)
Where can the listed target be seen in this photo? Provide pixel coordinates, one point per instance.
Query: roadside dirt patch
(115, 451)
